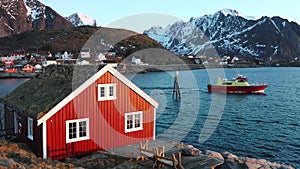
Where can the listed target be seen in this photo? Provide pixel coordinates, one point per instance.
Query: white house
(137, 61)
(85, 53)
(100, 57)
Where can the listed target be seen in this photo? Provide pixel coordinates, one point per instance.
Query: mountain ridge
(266, 39)
(17, 16)
(80, 19)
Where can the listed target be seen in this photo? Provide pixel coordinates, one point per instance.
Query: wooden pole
(176, 89)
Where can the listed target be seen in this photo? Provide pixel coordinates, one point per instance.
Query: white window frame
(30, 128)
(78, 138)
(107, 91)
(133, 121)
(16, 123)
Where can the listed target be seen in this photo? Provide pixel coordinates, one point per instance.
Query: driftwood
(144, 151)
(158, 156)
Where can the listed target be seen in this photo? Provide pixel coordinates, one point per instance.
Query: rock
(232, 165)
(228, 155)
(190, 151)
(99, 156)
(9, 162)
(214, 154)
(234, 162)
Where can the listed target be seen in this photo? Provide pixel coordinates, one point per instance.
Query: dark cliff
(17, 16)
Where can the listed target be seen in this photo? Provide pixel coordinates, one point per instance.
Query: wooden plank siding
(106, 120)
(9, 121)
(36, 143)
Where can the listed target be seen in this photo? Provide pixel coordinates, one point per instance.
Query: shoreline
(21, 156)
(141, 69)
(4, 75)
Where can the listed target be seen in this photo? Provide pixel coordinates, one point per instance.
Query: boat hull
(236, 89)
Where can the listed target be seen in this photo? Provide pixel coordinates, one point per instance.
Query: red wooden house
(28, 68)
(10, 70)
(105, 111)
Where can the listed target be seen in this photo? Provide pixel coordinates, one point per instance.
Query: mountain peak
(18, 16)
(234, 12)
(80, 19)
(230, 33)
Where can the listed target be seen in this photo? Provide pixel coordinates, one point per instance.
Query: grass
(74, 39)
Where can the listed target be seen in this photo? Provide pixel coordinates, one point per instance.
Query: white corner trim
(44, 139)
(154, 121)
(29, 128)
(81, 88)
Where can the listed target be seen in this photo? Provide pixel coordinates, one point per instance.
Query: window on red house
(107, 92)
(77, 130)
(133, 121)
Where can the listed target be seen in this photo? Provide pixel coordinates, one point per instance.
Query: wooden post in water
(176, 86)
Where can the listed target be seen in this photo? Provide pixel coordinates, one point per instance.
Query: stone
(8, 162)
(228, 155)
(234, 162)
(190, 151)
(214, 154)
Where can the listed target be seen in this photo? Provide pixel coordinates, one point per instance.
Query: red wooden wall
(36, 143)
(107, 121)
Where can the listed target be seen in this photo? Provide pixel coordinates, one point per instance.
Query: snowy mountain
(17, 16)
(79, 19)
(228, 32)
(233, 12)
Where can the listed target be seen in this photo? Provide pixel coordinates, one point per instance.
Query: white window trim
(133, 123)
(77, 130)
(106, 92)
(29, 127)
(16, 123)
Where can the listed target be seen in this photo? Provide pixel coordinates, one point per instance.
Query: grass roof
(38, 95)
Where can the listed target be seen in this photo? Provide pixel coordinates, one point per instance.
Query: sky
(143, 14)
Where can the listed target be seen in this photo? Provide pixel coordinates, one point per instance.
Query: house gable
(89, 82)
(106, 120)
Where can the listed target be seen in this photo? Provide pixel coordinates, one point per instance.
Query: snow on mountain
(79, 19)
(18, 16)
(35, 9)
(233, 12)
(228, 32)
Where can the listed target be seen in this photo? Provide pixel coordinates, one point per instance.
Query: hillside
(46, 40)
(121, 41)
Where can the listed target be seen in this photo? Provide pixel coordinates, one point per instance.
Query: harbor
(270, 120)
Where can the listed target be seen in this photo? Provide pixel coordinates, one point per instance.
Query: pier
(158, 154)
(176, 89)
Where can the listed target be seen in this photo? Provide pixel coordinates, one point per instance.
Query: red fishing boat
(238, 85)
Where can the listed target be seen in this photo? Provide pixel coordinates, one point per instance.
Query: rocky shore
(131, 68)
(4, 75)
(18, 155)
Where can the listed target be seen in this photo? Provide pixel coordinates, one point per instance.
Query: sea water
(253, 125)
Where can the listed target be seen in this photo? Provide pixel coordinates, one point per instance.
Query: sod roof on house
(38, 95)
